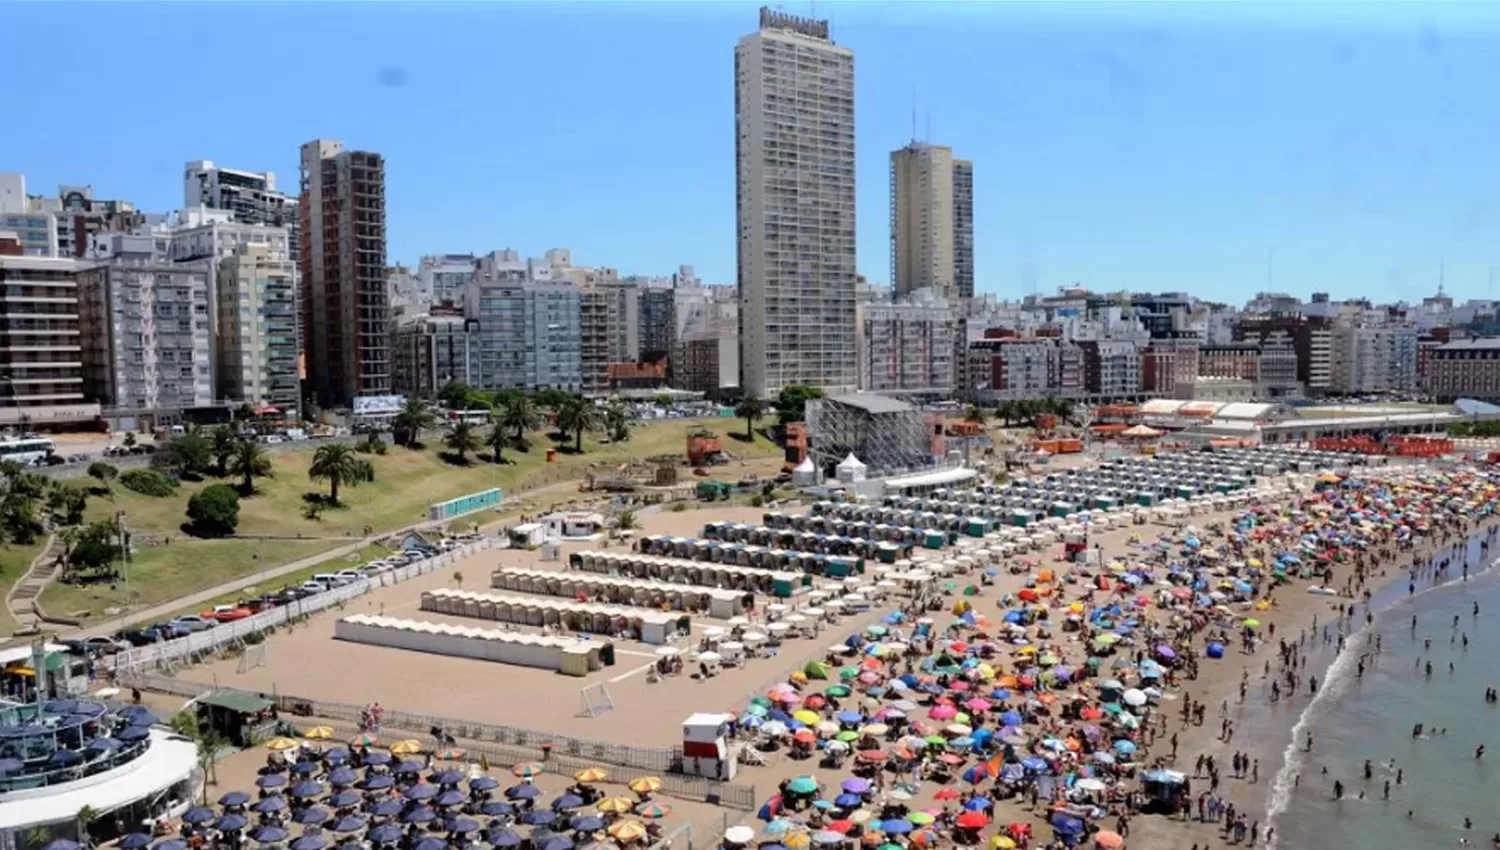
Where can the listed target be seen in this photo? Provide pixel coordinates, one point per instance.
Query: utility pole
(124, 553)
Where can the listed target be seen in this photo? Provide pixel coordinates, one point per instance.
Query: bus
(26, 450)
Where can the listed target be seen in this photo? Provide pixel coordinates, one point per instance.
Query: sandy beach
(309, 663)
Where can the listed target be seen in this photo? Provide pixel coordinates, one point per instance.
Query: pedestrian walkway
(21, 600)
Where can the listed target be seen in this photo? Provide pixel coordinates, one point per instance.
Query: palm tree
(221, 442)
(495, 441)
(462, 439)
(247, 461)
(519, 413)
(411, 420)
(751, 408)
(626, 521)
(575, 416)
(85, 819)
(208, 742)
(337, 464)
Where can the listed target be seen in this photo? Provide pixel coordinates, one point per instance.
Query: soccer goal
(253, 657)
(596, 699)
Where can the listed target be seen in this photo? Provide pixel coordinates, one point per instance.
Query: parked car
(349, 576)
(142, 637)
(195, 623)
(97, 643)
(226, 613)
(171, 630)
(312, 588)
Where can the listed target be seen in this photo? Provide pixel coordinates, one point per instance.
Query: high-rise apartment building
(932, 221)
(528, 331)
(444, 276)
(145, 329)
(256, 337)
(909, 347)
(41, 360)
(963, 228)
(345, 307)
(609, 323)
(794, 204)
(429, 351)
(250, 197)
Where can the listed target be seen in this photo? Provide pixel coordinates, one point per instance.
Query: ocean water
(1371, 717)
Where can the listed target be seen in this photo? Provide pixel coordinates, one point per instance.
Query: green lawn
(14, 561)
(406, 482)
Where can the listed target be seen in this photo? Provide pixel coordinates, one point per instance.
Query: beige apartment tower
(794, 164)
(932, 221)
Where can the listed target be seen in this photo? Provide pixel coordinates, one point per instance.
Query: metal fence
(189, 648)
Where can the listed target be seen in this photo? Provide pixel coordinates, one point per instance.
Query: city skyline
(1332, 169)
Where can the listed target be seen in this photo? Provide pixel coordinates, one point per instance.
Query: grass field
(406, 482)
(14, 561)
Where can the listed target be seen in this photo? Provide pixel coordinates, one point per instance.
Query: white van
(330, 580)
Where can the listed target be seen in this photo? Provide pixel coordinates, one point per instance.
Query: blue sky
(1337, 146)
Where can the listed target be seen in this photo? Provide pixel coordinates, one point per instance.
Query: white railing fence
(191, 647)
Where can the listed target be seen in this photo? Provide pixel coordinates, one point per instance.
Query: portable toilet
(887, 552)
(783, 585)
(1146, 498)
(1104, 503)
(977, 527)
(1184, 492)
(1062, 509)
(1020, 517)
(933, 538)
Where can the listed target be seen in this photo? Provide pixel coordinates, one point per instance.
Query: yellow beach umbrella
(796, 840)
(591, 774)
(406, 748)
(615, 805)
(645, 784)
(318, 732)
(808, 717)
(279, 744)
(627, 830)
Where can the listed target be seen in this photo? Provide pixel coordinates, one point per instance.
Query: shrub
(103, 472)
(149, 482)
(214, 511)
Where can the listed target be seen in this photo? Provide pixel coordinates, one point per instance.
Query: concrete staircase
(21, 600)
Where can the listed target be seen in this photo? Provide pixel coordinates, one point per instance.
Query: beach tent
(851, 470)
(816, 670)
(806, 473)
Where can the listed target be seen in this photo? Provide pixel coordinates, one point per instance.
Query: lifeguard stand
(705, 746)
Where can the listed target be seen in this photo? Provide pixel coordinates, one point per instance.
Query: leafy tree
(85, 818)
(454, 394)
(576, 416)
(20, 503)
(249, 461)
(626, 520)
(96, 545)
(66, 503)
(129, 439)
(221, 442)
(552, 399)
(663, 400)
(103, 473)
(495, 440)
(519, 413)
(337, 464)
(751, 408)
(974, 414)
(616, 423)
(208, 742)
(214, 511)
(462, 438)
(189, 455)
(413, 418)
(791, 402)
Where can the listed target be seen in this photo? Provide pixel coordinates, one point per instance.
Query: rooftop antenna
(1442, 275)
(913, 114)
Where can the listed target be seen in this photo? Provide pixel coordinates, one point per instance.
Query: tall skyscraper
(932, 221)
(345, 306)
(794, 162)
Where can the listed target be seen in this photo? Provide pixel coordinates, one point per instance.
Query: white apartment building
(795, 213)
(146, 330)
(1374, 359)
(36, 230)
(250, 197)
(526, 331)
(61, 226)
(932, 204)
(908, 347)
(445, 276)
(41, 359)
(256, 338)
